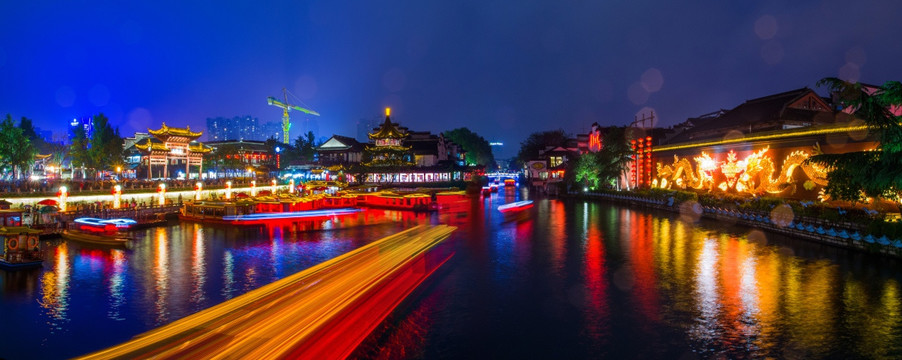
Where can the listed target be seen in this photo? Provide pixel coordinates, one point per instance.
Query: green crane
(286, 107)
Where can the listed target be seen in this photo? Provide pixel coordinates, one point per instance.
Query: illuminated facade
(172, 146)
(387, 148)
(760, 148)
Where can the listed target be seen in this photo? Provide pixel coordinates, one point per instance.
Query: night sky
(504, 69)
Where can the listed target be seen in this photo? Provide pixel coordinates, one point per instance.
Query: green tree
(529, 149)
(875, 173)
(106, 145)
(605, 167)
(16, 150)
(479, 152)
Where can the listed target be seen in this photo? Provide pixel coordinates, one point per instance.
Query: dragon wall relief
(754, 174)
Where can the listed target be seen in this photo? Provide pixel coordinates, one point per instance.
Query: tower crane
(286, 107)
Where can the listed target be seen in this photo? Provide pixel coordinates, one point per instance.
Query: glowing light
(63, 195)
(117, 196)
(253, 187)
(291, 186)
(198, 187)
(118, 169)
(161, 189)
(782, 134)
(595, 141)
(388, 111)
(516, 206)
(273, 183)
(228, 192)
(290, 215)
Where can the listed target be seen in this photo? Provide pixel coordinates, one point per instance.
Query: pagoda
(387, 148)
(175, 146)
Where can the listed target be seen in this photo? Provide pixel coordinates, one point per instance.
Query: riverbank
(780, 219)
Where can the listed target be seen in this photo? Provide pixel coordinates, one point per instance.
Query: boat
(486, 190)
(515, 206)
(104, 225)
(111, 240)
(259, 218)
(21, 248)
(393, 201)
(510, 182)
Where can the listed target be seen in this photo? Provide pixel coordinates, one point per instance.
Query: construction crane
(286, 107)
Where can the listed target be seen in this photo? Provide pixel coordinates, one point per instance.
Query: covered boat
(21, 248)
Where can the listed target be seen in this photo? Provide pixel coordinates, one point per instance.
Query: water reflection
(198, 265)
(161, 274)
(55, 290)
(571, 280)
(117, 285)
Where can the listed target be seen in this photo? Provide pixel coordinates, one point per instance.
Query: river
(567, 279)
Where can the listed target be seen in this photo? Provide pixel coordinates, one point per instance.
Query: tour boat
(515, 206)
(387, 200)
(259, 218)
(510, 182)
(104, 225)
(21, 248)
(94, 239)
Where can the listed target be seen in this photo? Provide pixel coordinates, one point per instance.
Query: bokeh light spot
(850, 72)
(652, 80)
(140, 118)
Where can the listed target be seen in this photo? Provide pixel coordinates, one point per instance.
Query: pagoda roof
(151, 144)
(388, 130)
(166, 132)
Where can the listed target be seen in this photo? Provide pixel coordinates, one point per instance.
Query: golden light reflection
(198, 265)
(55, 288)
(161, 274)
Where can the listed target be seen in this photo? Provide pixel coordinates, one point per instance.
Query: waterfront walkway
(322, 312)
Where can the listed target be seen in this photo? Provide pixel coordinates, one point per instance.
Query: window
(556, 160)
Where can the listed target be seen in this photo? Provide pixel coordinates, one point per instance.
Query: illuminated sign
(496, 143)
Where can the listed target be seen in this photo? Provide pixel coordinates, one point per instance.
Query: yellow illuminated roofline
(776, 136)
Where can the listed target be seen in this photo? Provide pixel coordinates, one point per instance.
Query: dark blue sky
(503, 69)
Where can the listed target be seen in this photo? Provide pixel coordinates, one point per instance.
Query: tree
(875, 173)
(478, 150)
(106, 145)
(103, 150)
(602, 168)
(538, 141)
(16, 150)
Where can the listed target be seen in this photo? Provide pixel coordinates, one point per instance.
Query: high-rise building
(272, 129)
(236, 128)
(86, 122)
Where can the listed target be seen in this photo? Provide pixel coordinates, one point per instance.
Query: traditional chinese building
(171, 149)
(387, 148)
